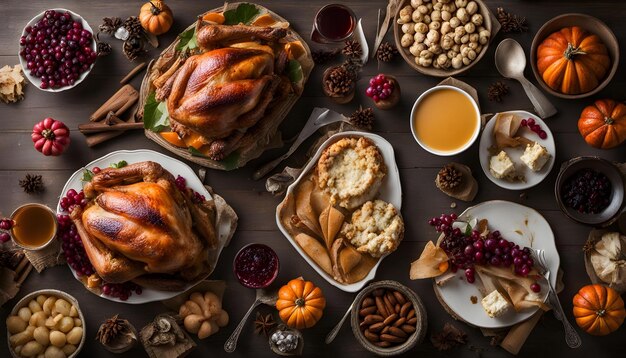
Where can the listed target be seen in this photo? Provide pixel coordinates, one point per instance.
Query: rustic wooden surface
(256, 207)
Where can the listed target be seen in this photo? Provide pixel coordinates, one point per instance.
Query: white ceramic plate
(36, 81)
(532, 178)
(174, 166)
(390, 191)
(517, 223)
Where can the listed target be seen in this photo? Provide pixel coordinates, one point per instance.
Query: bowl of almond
(388, 318)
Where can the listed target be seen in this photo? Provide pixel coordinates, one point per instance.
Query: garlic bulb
(608, 260)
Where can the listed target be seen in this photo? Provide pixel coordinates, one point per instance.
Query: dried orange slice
(216, 17)
(295, 50)
(173, 139)
(264, 20)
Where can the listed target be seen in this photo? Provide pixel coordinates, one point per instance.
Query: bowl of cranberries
(57, 50)
(590, 190)
(384, 90)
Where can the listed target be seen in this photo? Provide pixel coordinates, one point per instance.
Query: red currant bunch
(380, 88)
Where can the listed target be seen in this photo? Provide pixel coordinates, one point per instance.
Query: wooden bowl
(608, 215)
(588, 23)
(56, 293)
(436, 72)
(420, 312)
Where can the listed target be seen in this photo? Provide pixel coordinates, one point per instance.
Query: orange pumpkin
(598, 309)
(156, 17)
(572, 61)
(603, 124)
(300, 303)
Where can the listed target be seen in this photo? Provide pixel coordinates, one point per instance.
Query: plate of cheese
(516, 150)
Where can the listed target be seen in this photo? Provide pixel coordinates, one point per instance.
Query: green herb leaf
(294, 71)
(87, 175)
(195, 152)
(468, 230)
(188, 40)
(230, 162)
(155, 115)
(120, 164)
(244, 13)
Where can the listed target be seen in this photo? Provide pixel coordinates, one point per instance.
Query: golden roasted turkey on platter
(138, 226)
(225, 88)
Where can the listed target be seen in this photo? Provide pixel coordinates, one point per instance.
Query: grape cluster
(380, 88)
(74, 251)
(535, 127)
(465, 251)
(57, 49)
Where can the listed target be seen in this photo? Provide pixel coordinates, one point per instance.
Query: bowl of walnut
(442, 38)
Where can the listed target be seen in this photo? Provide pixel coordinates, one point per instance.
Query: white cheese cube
(501, 166)
(535, 156)
(495, 304)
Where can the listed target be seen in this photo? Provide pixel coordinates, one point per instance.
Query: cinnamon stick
(24, 274)
(132, 73)
(87, 128)
(123, 99)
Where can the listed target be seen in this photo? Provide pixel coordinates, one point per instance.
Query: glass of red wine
(333, 23)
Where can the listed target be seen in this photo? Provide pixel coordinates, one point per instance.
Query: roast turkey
(138, 226)
(224, 92)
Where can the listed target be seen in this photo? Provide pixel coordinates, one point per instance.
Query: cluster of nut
(47, 327)
(443, 33)
(387, 318)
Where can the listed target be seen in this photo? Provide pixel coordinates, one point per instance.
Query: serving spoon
(263, 296)
(510, 62)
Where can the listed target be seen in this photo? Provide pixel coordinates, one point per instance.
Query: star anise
(511, 22)
(32, 184)
(263, 324)
(449, 338)
(497, 90)
(352, 49)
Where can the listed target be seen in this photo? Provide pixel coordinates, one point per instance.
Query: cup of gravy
(445, 120)
(34, 226)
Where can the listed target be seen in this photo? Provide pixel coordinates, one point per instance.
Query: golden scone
(376, 228)
(351, 171)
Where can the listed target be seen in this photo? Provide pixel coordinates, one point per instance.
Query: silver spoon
(333, 333)
(262, 297)
(510, 62)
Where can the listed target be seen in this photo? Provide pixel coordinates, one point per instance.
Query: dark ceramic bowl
(420, 312)
(608, 215)
(588, 23)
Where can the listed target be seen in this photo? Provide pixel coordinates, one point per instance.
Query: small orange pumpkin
(572, 60)
(156, 17)
(603, 124)
(300, 303)
(598, 309)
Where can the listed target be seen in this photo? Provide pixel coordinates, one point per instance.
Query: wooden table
(256, 207)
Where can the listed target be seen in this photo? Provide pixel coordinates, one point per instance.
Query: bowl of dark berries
(57, 50)
(590, 190)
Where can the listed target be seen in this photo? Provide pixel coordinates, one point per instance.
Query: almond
(383, 344)
(391, 298)
(367, 302)
(408, 328)
(397, 308)
(412, 321)
(399, 297)
(400, 322)
(385, 330)
(377, 327)
(388, 304)
(367, 311)
(405, 309)
(391, 338)
(390, 319)
(411, 314)
(373, 318)
(397, 332)
(378, 292)
(380, 304)
(372, 337)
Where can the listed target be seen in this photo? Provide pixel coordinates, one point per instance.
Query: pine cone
(110, 24)
(339, 81)
(110, 329)
(352, 49)
(511, 22)
(353, 65)
(449, 178)
(32, 184)
(103, 49)
(133, 26)
(363, 118)
(133, 47)
(321, 57)
(386, 52)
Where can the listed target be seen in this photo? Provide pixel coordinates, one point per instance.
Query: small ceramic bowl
(37, 81)
(476, 118)
(439, 72)
(56, 293)
(240, 268)
(610, 214)
(588, 23)
(420, 312)
(52, 235)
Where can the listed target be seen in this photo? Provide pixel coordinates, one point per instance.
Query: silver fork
(571, 336)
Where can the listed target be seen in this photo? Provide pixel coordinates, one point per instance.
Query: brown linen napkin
(49, 256)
